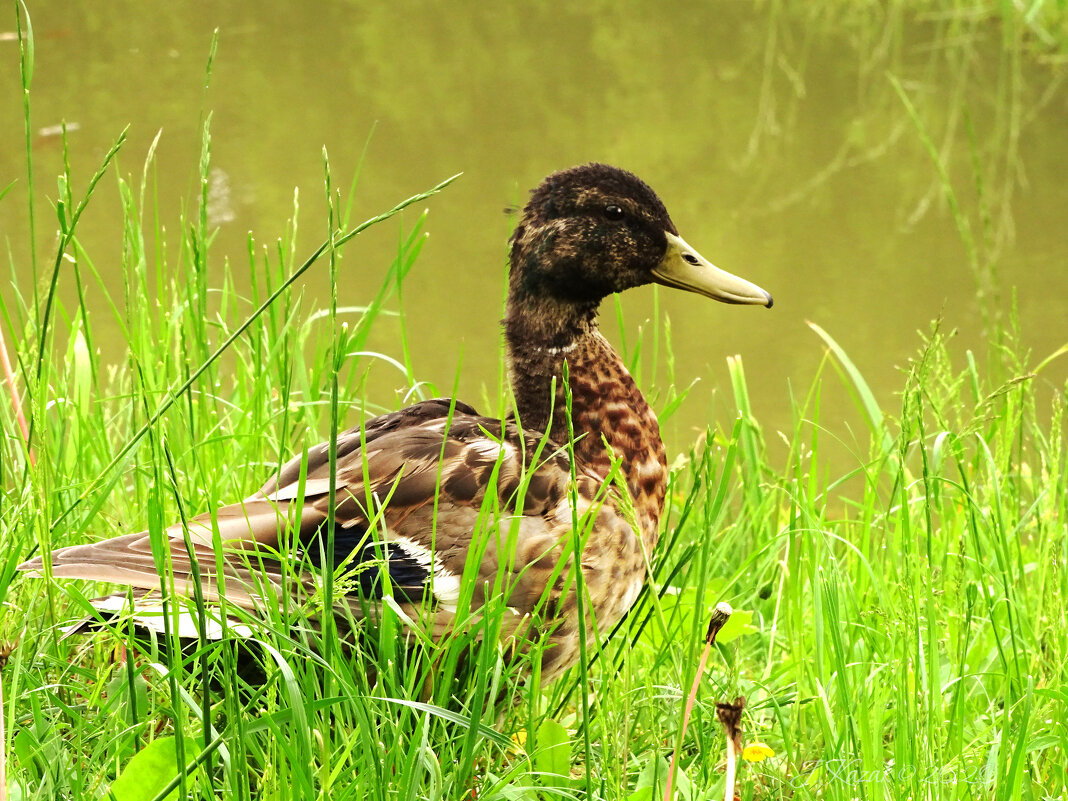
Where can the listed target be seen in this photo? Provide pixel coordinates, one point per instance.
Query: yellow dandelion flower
(756, 752)
(519, 742)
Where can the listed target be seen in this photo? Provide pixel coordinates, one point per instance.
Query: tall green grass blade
(105, 478)
(866, 397)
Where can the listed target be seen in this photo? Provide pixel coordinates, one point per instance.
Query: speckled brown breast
(611, 420)
(611, 413)
(610, 417)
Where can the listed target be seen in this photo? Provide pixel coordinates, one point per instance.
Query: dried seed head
(730, 715)
(6, 649)
(720, 615)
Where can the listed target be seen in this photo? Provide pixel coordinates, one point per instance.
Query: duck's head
(593, 230)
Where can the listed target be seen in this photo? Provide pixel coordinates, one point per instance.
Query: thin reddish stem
(686, 715)
(16, 401)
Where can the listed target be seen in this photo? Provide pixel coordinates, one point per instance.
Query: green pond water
(774, 134)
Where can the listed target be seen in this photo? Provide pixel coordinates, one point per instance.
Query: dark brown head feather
(587, 232)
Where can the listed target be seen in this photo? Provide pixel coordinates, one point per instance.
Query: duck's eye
(613, 212)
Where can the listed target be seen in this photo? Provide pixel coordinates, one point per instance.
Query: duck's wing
(416, 491)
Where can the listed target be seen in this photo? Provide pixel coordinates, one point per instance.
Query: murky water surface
(777, 140)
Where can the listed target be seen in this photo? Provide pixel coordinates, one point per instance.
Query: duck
(578, 466)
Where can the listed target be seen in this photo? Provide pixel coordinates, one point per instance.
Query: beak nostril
(683, 267)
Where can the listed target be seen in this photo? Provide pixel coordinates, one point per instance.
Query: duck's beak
(685, 268)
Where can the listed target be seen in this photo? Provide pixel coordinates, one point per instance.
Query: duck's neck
(609, 415)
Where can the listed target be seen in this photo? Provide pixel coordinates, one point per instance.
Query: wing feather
(428, 493)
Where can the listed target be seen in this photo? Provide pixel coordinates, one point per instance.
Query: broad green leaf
(119, 692)
(653, 778)
(25, 746)
(739, 623)
(148, 772)
(516, 785)
(513, 793)
(680, 608)
(83, 372)
(553, 757)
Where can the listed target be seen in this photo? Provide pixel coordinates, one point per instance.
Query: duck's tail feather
(245, 555)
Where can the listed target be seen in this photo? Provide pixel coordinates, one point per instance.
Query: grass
(904, 634)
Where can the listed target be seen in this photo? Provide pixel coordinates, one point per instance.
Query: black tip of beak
(770, 302)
